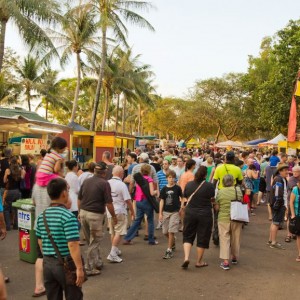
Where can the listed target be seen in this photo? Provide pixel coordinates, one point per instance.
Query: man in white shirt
(121, 199)
(88, 174)
(179, 169)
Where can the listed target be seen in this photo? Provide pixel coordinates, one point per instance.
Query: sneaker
(234, 261)
(119, 252)
(174, 246)
(268, 243)
(224, 266)
(159, 225)
(99, 265)
(168, 255)
(93, 272)
(277, 246)
(153, 243)
(114, 258)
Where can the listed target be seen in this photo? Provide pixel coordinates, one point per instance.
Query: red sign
(24, 240)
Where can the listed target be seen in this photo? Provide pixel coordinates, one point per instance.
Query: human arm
(74, 249)
(57, 166)
(111, 210)
(292, 208)
(6, 174)
(2, 227)
(130, 207)
(153, 192)
(161, 207)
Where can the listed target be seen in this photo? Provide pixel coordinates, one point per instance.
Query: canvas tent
(229, 144)
(274, 141)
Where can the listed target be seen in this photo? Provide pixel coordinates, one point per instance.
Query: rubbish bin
(27, 237)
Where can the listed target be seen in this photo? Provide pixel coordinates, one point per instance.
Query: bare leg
(298, 245)
(171, 240)
(187, 250)
(200, 252)
(39, 278)
(3, 294)
(274, 230)
(270, 212)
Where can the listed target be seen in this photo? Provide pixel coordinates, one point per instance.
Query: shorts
(170, 222)
(121, 227)
(278, 215)
(262, 185)
(256, 185)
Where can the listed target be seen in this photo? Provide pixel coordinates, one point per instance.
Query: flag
(292, 121)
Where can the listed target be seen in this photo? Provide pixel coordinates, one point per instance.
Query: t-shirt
(73, 182)
(224, 198)
(130, 168)
(162, 179)
(137, 169)
(201, 201)
(171, 197)
(296, 202)
(94, 194)
(84, 176)
(209, 169)
(4, 164)
(225, 169)
(274, 160)
(63, 226)
(185, 178)
(48, 163)
(1, 206)
(120, 194)
(139, 195)
(156, 166)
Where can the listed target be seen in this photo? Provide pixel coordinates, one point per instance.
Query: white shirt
(73, 182)
(120, 194)
(83, 177)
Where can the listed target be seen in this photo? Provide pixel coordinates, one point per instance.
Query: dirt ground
(262, 273)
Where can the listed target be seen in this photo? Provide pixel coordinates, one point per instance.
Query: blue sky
(198, 39)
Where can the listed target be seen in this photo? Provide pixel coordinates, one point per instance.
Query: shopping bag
(239, 211)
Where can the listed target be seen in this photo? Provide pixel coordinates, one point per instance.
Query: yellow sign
(105, 141)
(297, 92)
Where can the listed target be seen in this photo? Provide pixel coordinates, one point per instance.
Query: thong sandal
(298, 259)
(40, 294)
(288, 239)
(202, 265)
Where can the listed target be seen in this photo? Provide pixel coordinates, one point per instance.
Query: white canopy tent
(274, 141)
(229, 144)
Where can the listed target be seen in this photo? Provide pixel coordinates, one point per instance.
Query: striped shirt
(63, 227)
(48, 163)
(162, 179)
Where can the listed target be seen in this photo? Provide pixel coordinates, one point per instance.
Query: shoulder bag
(67, 262)
(294, 224)
(238, 210)
(197, 189)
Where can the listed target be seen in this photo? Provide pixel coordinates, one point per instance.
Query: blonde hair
(146, 169)
(210, 160)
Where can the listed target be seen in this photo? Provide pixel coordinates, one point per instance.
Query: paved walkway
(262, 273)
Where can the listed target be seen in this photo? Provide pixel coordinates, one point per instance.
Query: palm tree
(51, 92)
(77, 35)
(111, 13)
(27, 16)
(30, 72)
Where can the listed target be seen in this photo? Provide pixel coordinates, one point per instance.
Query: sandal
(204, 264)
(288, 239)
(298, 259)
(185, 264)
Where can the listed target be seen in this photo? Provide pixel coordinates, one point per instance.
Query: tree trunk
(99, 84)
(28, 98)
(106, 106)
(47, 108)
(218, 135)
(139, 129)
(123, 114)
(77, 90)
(2, 40)
(117, 112)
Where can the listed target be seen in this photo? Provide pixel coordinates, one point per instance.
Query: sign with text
(24, 241)
(24, 219)
(33, 146)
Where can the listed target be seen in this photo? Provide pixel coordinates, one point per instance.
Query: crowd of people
(175, 190)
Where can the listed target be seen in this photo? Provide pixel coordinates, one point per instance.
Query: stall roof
(146, 137)
(256, 142)
(77, 127)
(23, 121)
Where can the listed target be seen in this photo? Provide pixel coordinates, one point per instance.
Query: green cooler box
(27, 237)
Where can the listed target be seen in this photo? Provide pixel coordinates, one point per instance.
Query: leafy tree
(27, 16)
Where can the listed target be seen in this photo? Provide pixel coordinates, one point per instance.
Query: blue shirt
(1, 206)
(130, 168)
(296, 202)
(162, 179)
(274, 160)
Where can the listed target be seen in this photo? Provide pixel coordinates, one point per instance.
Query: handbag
(294, 224)
(197, 189)
(67, 262)
(238, 210)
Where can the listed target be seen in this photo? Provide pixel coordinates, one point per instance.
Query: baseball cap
(101, 166)
(230, 155)
(144, 156)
